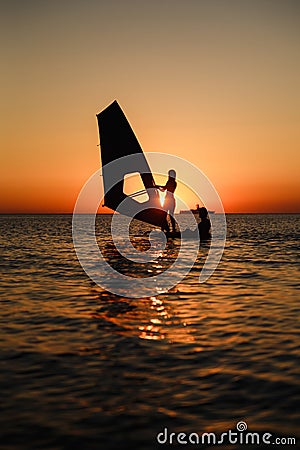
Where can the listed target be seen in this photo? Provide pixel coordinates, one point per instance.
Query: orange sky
(214, 82)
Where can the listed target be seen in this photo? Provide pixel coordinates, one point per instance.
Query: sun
(161, 198)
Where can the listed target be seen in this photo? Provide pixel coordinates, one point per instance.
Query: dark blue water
(84, 369)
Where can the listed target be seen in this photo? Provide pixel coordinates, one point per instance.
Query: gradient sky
(215, 82)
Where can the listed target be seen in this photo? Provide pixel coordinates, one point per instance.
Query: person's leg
(165, 226)
(173, 222)
(166, 207)
(171, 214)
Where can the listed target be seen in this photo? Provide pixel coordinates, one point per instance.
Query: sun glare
(161, 198)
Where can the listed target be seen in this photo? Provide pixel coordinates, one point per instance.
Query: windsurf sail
(117, 140)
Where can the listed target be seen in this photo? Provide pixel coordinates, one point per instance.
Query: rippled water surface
(85, 369)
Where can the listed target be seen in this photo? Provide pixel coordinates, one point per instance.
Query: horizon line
(111, 213)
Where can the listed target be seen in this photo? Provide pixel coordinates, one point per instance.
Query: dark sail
(117, 140)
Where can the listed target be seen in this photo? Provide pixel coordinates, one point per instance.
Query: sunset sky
(215, 82)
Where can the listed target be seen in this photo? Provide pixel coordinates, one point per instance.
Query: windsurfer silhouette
(169, 203)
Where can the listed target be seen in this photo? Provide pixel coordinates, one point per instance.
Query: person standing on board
(169, 203)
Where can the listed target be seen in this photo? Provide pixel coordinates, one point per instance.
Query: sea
(203, 365)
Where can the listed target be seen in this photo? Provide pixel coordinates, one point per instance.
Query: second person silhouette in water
(169, 203)
(204, 226)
